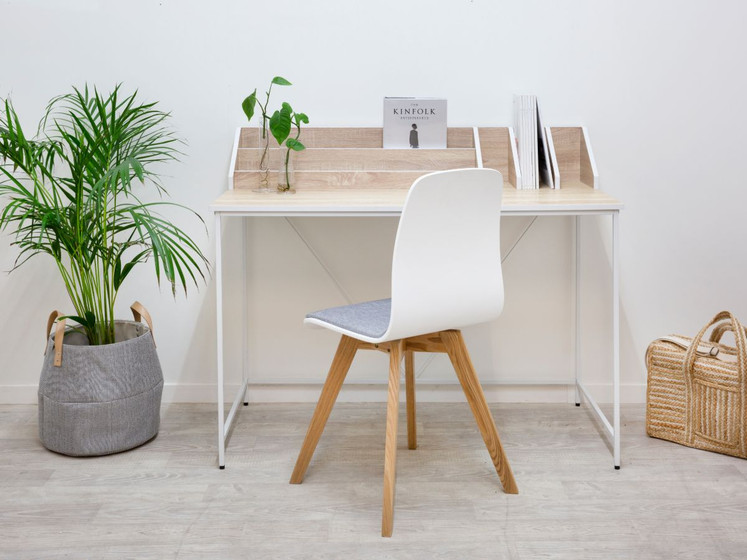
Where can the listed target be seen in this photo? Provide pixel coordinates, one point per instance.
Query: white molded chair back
(446, 269)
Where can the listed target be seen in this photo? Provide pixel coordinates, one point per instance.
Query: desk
(573, 199)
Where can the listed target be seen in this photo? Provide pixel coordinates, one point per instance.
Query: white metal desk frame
(544, 209)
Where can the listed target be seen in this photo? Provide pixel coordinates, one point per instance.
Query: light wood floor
(168, 499)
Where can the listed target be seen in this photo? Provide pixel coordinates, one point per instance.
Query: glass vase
(264, 161)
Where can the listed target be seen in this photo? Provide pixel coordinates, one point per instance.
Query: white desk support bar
(616, 334)
(315, 254)
(595, 406)
(224, 423)
(576, 299)
(612, 428)
(219, 340)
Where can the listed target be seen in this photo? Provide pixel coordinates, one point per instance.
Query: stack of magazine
(531, 139)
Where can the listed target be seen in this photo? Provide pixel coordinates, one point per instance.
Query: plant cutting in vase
(70, 192)
(248, 105)
(281, 124)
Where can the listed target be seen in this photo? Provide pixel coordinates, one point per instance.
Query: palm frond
(71, 193)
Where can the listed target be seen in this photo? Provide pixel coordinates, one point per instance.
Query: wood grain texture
(465, 371)
(316, 137)
(567, 142)
(425, 343)
(166, 500)
(412, 429)
(361, 159)
(572, 195)
(496, 153)
(586, 172)
(354, 158)
(320, 181)
(351, 137)
(390, 446)
(572, 153)
(448, 341)
(381, 347)
(338, 370)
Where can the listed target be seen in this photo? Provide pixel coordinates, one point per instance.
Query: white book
(545, 168)
(414, 122)
(525, 116)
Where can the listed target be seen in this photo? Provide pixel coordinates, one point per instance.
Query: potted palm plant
(72, 192)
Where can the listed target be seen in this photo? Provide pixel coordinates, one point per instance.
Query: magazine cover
(414, 122)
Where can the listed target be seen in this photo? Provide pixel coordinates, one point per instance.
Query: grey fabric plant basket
(100, 399)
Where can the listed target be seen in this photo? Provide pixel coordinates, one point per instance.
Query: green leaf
(248, 105)
(117, 273)
(295, 145)
(278, 80)
(280, 123)
(128, 267)
(90, 318)
(84, 322)
(301, 117)
(138, 169)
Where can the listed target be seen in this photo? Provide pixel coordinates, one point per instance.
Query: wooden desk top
(572, 199)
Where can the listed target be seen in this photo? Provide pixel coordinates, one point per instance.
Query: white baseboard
(307, 393)
(18, 394)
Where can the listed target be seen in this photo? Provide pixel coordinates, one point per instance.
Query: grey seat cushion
(370, 318)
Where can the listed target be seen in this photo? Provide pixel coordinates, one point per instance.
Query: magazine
(414, 122)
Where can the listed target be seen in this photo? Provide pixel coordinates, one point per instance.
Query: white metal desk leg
(577, 284)
(245, 311)
(219, 340)
(616, 335)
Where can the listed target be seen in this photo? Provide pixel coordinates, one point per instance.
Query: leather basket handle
(59, 335)
(139, 312)
(52, 317)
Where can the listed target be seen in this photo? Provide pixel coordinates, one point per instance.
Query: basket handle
(721, 329)
(689, 362)
(59, 335)
(52, 317)
(733, 324)
(139, 312)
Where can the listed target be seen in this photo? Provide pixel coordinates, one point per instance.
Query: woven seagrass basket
(697, 389)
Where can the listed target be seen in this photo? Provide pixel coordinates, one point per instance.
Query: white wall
(660, 86)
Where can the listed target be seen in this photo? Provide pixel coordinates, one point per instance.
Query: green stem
(287, 174)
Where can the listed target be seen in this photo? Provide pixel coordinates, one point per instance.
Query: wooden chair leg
(338, 370)
(390, 450)
(412, 430)
(465, 371)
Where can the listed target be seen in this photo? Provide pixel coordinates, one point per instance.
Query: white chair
(446, 274)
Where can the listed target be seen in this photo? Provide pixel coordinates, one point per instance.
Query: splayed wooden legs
(450, 342)
(476, 398)
(412, 431)
(390, 449)
(338, 370)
